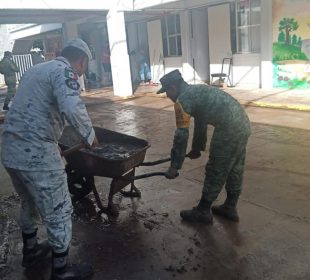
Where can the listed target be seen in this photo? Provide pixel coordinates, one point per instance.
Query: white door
(155, 50)
(219, 36)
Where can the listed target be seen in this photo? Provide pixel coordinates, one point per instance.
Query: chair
(225, 72)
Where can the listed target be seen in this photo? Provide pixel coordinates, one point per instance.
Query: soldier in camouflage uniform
(48, 95)
(208, 105)
(9, 70)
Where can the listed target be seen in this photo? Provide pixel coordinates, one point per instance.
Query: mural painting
(291, 44)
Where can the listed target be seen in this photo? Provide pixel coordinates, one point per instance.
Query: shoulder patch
(182, 118)
(70, 74)
(72, 84)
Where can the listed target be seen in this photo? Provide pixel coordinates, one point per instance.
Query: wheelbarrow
(116, 157)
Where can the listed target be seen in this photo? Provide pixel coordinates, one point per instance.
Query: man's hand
(171, 173)
(194, 154)
(95, 142)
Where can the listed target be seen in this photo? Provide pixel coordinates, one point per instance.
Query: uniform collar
(63, 59)
(183, 87)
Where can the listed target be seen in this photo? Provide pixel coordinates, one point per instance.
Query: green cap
(171, 78)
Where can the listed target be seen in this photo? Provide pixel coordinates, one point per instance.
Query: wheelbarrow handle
(72, 149)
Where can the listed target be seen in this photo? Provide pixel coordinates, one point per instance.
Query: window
(246, 31)
(171, 32)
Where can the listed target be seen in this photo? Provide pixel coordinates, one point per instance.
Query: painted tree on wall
(288, 25)
(281, 37)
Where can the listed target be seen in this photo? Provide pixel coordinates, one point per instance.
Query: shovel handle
(72, 149)
(147, 175)
(151, 163)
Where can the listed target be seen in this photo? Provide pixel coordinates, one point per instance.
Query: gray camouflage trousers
(45, 194)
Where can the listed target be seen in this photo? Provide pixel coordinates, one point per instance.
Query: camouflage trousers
(45, 194)
(225, 170)
(9, 95)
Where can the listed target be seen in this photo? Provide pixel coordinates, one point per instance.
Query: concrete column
(120, 64)
(266, 45)
(70, 31)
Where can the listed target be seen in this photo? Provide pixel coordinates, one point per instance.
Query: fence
(23, 62)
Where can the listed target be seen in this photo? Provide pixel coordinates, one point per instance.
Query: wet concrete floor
(149, 241)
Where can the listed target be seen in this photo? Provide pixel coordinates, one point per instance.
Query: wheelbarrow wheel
(79, 185)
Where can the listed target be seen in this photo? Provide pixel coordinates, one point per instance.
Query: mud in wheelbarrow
(116, 157)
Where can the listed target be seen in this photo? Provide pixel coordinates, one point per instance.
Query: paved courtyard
(149, 241)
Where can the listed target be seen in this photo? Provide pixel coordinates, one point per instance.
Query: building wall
(194, 62)
(291, 44)
(206, 40)
(155, 50)
(219, 36)
(199, 44)
(266, 45)
(246, 70)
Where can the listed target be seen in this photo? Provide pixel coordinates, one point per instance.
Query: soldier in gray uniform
(9, 69)
(208, 105)
(48, 95)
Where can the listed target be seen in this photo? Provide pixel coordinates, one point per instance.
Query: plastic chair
(225, 72)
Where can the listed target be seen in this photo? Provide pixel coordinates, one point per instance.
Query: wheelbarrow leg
(97, 198)
(134, 191)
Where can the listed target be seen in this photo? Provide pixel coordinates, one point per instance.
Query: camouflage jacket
(8, 68)
(207, 105)
(49, 94)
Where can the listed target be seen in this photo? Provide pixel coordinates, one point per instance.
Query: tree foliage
(281, 37)
(288, 25)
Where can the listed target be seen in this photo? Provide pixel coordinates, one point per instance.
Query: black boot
(228, 210)
(62, 270)
(5, 107)
(199, 214)
(33, 252)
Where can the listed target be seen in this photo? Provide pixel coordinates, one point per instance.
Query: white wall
(219, 36)
(133, 45)
(120, 63)
(200, 44)
(172, 63)
(266, 45)
(141, 4)
(155, 50)
(186, 69)
(34, 30)
(194, 62)
(246, 70)
(60, 4)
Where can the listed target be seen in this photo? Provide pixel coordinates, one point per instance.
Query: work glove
(171, 173)
(194, 154)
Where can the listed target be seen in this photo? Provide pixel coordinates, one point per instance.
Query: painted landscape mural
(291, 44)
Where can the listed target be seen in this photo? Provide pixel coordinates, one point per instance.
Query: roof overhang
(18, 16)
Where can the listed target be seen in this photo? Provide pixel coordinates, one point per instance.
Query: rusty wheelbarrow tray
(84, 164)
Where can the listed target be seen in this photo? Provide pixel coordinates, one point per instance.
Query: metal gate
(23, 62)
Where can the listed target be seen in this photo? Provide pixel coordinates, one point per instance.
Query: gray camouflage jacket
(49, 94)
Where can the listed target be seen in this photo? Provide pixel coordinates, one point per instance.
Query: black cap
(169, 79)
